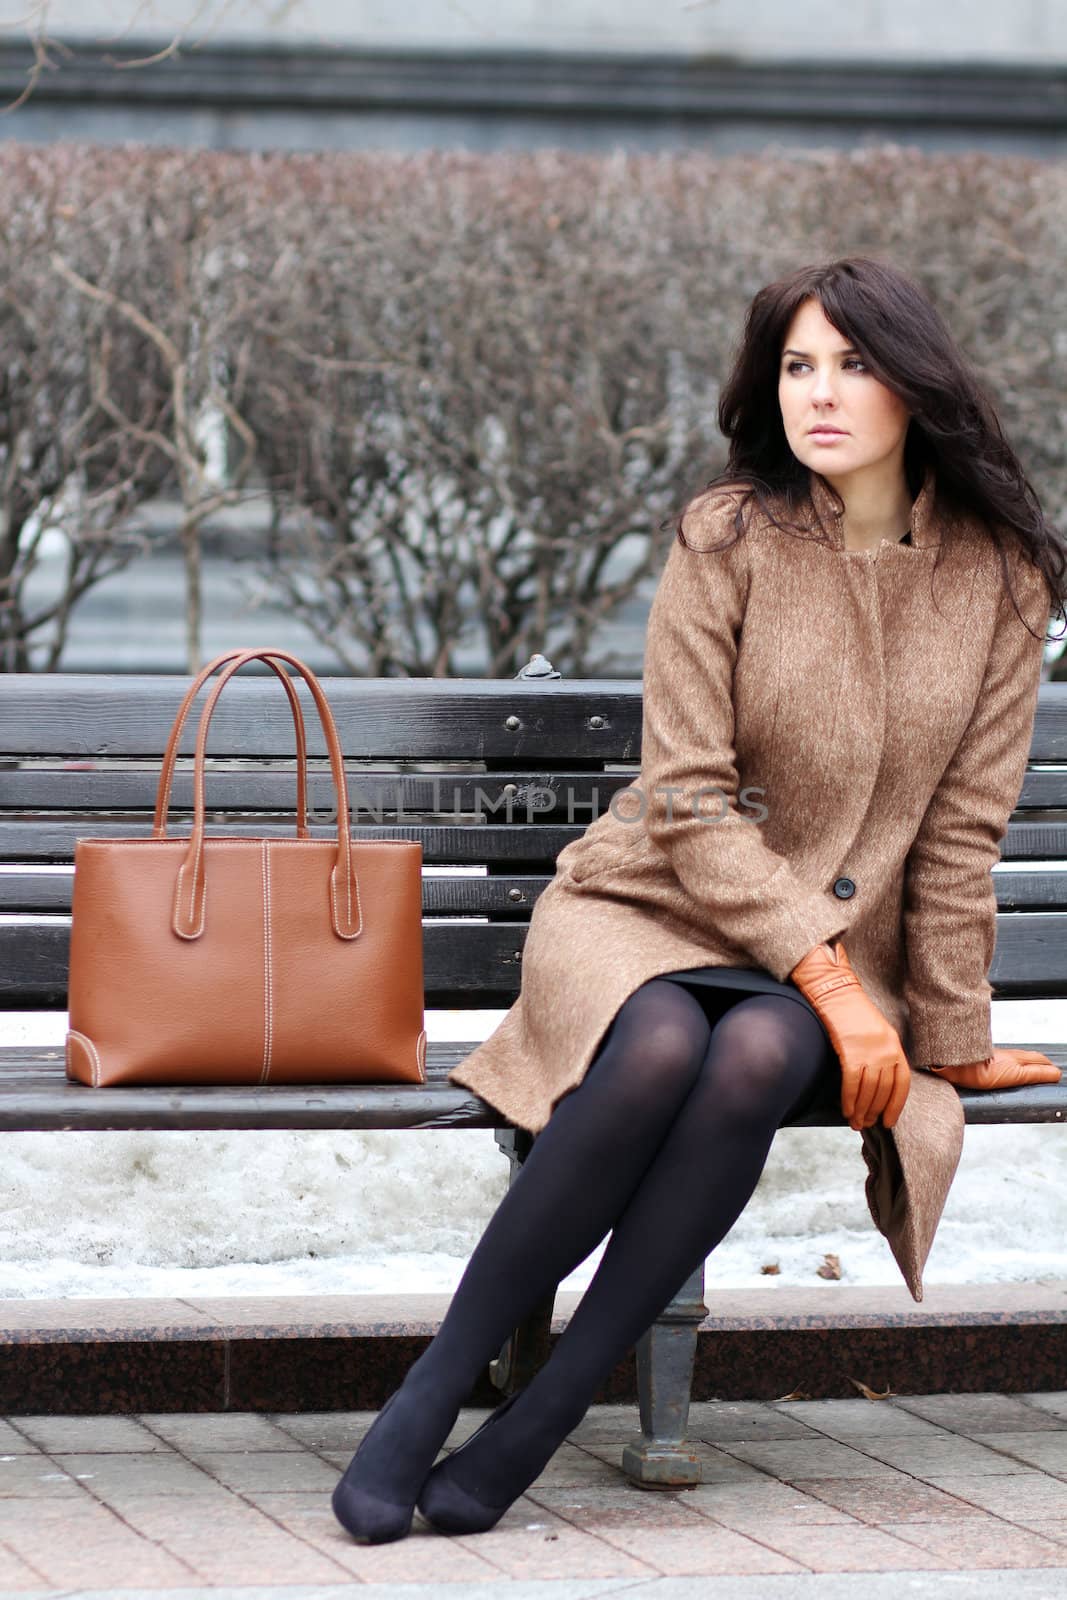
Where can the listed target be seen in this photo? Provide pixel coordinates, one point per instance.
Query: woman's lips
(826, 435)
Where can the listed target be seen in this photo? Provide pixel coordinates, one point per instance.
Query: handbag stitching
(197, 928)
(268, 1019)
(333, 892)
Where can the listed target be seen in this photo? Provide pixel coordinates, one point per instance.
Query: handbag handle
(190, 888)
(166, 776)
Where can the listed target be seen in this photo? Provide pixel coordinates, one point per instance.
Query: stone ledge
(637, 86)
(342, 1352)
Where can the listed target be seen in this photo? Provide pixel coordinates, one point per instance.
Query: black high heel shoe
(367, 1517)
(447, 1507)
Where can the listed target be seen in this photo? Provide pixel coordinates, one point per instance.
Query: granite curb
(318, 1352)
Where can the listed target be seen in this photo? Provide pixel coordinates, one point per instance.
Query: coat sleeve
(949, 905)
(749, 893)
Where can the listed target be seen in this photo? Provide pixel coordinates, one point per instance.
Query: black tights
(661, 1145)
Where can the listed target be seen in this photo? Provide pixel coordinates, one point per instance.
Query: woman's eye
(852, 361)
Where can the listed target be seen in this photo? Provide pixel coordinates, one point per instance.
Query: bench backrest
(493, 777)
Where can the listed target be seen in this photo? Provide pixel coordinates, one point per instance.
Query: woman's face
(822, 382)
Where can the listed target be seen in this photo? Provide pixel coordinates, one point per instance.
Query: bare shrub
(491, 376)
(81, 401)
(472, 387)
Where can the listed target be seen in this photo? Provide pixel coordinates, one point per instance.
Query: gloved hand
(875, 1076)
(1004, 1069)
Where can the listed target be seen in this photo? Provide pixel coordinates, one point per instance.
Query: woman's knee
(763, 1055)
(658, 1043)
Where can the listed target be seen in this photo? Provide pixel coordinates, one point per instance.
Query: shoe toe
(368, 1519)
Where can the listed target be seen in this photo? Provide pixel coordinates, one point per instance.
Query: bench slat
(53, 839)
(446, 719)
(480, 843)
(36, 1096)
(513, 893)
(467, 959)
(372, 793)
(431, 719)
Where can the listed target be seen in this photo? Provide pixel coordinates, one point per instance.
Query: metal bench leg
(527, 1348)
(661, 1458)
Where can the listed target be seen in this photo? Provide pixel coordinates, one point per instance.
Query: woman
(841, 673)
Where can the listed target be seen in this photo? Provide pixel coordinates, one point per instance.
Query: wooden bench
(493, 777)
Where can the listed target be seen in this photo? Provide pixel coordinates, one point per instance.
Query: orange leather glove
(1004, 1069)
(875, 1076)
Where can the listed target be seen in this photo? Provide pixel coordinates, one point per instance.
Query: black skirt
(718, 988)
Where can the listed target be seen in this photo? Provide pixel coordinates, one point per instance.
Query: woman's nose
(822, 387)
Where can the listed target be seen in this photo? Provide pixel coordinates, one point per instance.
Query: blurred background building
(491, 74)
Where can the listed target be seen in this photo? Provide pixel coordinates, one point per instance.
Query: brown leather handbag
(235, 960)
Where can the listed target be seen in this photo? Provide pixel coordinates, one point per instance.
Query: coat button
(844, 888)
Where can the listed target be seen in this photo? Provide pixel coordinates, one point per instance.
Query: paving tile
(17, 1574)
(897, 1499)
(423, 1557)
(339, 1433)
(854, 1549)
(232, 1543)
(570, 1465)
(92, 1435)
(797, 1459)
(12, 1442)
(1044, 1449)
(1055, 1403)
(1017, 1497)
(855, 1419)
(1050, 1527)
(336, 1459)
(746, 1506)
(195, 1434)
(718, 1421)
(716, 1466)
(82, 1545)
(36, 1475)
(545, 1548)
(632, 1508)
(983, 1543)
(922, 1457)
(973, 1413)
(325, 1430)
(606, 1424)
(270, 1470)
(712, 1550)
(110, 1477)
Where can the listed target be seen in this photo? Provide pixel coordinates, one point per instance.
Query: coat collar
(925, 533)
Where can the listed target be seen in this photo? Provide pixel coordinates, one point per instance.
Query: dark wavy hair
(907, 345)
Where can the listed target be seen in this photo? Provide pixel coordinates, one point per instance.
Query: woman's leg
(766, 1055)
(576, 1181)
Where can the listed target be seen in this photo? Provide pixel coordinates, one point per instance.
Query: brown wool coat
(884, 725)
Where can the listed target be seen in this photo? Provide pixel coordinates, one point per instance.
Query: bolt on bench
(491, 775)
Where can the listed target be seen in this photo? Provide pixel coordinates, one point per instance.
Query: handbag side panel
(145, 1005)
(347, 1010)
